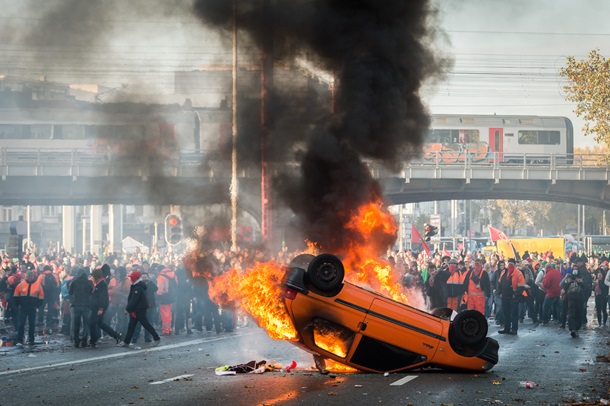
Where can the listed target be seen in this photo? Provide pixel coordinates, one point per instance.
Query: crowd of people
(546, 289)
(86, 297)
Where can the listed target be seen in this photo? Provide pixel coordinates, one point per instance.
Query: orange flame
(337, 367)
(259, 293)
(377, 230)
(258, 290)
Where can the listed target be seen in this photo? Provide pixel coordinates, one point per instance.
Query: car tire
(326, 272)
(469, 327)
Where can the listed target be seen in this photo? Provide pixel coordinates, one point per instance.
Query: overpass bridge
(79, 177)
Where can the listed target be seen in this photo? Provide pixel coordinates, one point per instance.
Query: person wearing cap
(510, 280)
(477, 287)
(137, 306)
(28, 296)
(455, 286)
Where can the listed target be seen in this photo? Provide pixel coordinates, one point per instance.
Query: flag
(495, 235)
(416, 238)
(445, 252)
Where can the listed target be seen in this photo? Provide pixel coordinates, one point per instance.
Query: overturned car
(367, 331)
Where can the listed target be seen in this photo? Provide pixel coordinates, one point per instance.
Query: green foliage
(589, 87)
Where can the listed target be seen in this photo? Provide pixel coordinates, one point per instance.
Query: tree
(589, 87)
(514, 214)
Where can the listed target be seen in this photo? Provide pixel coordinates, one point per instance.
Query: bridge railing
(82, 162)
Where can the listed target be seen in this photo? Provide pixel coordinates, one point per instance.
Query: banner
(416, 238)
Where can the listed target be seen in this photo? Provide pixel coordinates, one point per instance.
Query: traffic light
(430, 231)
(173, 229)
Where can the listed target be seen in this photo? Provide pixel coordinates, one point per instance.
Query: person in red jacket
(552, 288)
(28, 296)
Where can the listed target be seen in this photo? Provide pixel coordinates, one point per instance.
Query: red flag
(416, 238)
(495, 235)
(445, 252)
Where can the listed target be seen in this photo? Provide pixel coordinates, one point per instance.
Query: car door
(396, 336)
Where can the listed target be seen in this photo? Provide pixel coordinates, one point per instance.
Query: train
(126, 128)
(117, 128)
(454, 138)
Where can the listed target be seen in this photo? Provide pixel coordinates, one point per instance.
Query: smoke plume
(379, 55)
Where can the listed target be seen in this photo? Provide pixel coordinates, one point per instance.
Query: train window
(10, 131)
(509, 134)
(41, 131)
(528, 137)
(453, 136)
(539, 137)
(69, 132)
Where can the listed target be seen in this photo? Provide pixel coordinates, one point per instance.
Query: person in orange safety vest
(166, 297)
(455, 286)
(28, 296)
(477, 286)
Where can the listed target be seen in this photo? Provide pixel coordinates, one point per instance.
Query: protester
(574, 288)
(151, 294)
(99, 306)
(552, 288)
(137, 306)
(28, 296)
(167, 285)
(81, 291)
(510, 280)
(477, 287)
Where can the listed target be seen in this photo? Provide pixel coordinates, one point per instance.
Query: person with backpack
(574, 289)
(167, 285)
(50, 285)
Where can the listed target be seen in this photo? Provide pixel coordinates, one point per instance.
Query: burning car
(364, 330)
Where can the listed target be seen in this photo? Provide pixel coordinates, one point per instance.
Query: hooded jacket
(99, 298)
(81, 289)
(551, 282)
(137, 301)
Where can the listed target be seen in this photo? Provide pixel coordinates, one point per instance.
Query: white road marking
(175, 378)
(404, 380)
(127, 353)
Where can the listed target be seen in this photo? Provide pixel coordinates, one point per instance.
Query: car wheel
(326, 272)
(469, 327)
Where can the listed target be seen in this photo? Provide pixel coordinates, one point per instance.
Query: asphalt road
(181, 371)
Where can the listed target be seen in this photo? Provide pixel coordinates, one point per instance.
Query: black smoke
(379, 54)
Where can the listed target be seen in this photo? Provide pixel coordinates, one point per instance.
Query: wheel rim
(326, 273)
(470, 327)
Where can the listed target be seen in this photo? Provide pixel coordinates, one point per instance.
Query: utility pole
(266, 90)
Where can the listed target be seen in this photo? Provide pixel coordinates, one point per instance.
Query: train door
(496, 143)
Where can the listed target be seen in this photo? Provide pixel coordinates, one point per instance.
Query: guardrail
(82, 162)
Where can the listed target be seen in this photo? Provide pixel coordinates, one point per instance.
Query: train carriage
(502, 139)
(163, 130)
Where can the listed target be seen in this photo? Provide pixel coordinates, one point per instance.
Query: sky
(506, 54)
